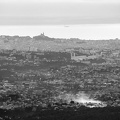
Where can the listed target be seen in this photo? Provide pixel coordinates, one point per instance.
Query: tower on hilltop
(42, 34)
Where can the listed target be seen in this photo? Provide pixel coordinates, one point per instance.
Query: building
(83, 57)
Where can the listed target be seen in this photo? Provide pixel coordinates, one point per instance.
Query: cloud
(58, 13)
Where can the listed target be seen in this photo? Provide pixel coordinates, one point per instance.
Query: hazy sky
(87, 19)
(59, 12)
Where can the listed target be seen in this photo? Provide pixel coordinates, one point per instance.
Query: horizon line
(42, 34)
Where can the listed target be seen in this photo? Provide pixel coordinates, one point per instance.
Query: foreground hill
(108, 113)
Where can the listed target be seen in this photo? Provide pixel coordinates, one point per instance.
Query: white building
(83, 57)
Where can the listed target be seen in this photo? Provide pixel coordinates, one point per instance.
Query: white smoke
(81, 97)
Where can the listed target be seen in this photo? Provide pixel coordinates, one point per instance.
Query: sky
(85, 19)
(59, 12)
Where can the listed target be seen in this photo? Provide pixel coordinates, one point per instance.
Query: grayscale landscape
(59, 60)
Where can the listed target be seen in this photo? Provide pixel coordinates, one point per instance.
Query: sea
(81, 31)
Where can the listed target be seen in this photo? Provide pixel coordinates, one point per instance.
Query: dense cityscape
(80, 75)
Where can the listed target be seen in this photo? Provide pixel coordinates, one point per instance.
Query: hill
(45, 43)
